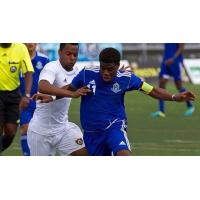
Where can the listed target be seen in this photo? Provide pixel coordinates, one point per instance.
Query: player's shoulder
(41, 55)
(92, 69)
(18, 47)
(53, 66)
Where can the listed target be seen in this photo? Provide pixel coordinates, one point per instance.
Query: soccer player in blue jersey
(38, 61)
(102, 114)
(171, 67)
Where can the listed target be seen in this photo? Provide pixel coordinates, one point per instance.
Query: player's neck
(32, 54)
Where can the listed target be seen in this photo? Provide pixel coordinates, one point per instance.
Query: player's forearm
(46, 88)
(68, 87)
(162, 94)
(28, 82)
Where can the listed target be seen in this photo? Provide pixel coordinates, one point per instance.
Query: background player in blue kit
(171, 67)
(38, 61)
(102, 114)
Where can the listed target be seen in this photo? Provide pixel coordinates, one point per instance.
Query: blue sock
(24, 145)
(189, 104)
(161, 105)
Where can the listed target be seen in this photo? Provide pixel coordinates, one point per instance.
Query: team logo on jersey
(39, 65)
(65, 80)
(13, 69)
(79, 141)
(116, 88)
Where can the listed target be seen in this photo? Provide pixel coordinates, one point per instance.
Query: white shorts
(63, 143)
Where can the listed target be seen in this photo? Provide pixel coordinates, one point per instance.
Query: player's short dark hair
(62, 45)
(110, 55)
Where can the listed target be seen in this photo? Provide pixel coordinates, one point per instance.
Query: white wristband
(173, 97)
(53, 97)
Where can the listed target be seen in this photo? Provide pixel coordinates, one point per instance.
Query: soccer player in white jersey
(49, 130)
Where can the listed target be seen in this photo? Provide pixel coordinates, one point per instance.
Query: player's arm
(69, 87)
(163, 94)
(27, 70)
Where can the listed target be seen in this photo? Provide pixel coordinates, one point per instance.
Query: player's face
(68, 56)
(108, 71)
(31, 46)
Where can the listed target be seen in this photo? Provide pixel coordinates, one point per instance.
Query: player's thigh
(117, 139)
(95, 143)
(1, 114)
(39, 145)
(10, 129)
(12, 108)
(71, 140)
(176, 70)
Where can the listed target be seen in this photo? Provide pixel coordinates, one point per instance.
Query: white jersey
(51, 118)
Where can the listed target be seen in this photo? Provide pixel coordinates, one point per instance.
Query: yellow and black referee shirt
(13, 60)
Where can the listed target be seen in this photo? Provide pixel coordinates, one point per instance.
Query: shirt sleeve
(26, 63)
(135, 83)
(48, 73)
(78, 80)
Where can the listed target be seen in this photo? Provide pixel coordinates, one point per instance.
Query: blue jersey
(38, 62)
(170, 51)
(105, 105)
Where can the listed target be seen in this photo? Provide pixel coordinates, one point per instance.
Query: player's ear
(59, 52)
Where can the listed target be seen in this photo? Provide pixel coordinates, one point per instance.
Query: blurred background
(144, 58)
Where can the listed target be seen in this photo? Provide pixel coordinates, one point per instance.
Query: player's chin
(107, 79)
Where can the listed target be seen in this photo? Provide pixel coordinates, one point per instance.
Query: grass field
(174, 135)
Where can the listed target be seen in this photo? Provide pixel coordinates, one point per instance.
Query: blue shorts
(107, 142)
(27, 114)
(173, 70)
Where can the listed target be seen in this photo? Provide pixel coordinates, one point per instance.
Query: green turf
(173, 135)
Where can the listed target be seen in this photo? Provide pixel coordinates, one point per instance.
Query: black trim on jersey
(25, 66)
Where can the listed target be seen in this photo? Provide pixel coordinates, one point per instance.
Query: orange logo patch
(79, 141)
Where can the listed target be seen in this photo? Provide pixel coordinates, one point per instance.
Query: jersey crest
(116, 88)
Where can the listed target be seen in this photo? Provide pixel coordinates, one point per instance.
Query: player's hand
(23, 103)
(42, 98)
(127, 68)
(81, 92)
(184, 96)
(169, 61)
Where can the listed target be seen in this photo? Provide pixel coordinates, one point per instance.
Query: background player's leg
(1, 134)
(162, 84)
(190, 107)
(23, 139)
(1, 123)
(161, 112)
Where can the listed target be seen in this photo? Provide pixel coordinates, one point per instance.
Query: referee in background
(14, 59)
